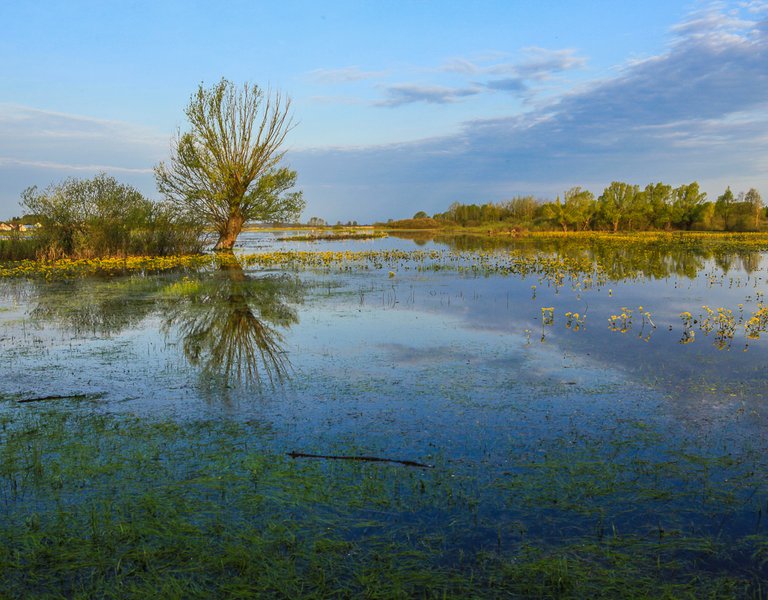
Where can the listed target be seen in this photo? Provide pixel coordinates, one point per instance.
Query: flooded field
(553, 419)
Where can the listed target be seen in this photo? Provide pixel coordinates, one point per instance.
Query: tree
(224, 171)
(753, 197)
(421, 215)
(521, 209)
(657, 201)
(687, 202)
(724, 206)
(557, 213)
(579, 207)
(618, 201)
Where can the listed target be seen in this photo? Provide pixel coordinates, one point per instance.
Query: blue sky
(401, 106)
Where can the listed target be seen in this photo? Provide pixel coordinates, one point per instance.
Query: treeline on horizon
(621, 207)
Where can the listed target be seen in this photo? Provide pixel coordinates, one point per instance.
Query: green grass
(116, 506)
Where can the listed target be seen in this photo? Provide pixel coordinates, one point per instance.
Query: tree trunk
(228, 234)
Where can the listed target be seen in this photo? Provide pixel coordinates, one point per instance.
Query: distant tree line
(621, 207)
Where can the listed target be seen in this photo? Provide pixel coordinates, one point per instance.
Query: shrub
(102, 217)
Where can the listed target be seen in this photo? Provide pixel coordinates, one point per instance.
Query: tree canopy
(620, 207)
(101, 216)
(225, 170)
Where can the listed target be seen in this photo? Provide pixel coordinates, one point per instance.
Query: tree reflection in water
(228, 323)
(626, 257)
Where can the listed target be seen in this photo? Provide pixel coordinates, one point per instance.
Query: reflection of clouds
(413, 355)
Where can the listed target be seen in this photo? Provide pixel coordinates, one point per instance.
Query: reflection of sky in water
(256, 241)
(452, 337)
(432, 366)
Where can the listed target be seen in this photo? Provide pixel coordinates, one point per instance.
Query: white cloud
(343, 75)
(41, 164)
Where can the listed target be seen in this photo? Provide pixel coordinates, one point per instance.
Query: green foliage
(754, 199)
(316, 222)
(687, 203)
(620, 201)
(580, 208)
(657, 202)
(415, 223)
(17, 245)
(224, 172)
(102, 217)
(724, 206)
(520, 209)
(621, 207)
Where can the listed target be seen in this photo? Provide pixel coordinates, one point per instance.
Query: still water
(563, 405)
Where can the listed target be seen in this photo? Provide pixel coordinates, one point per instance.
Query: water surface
(553, 422)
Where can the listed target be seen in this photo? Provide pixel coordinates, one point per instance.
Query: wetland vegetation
(594, 410)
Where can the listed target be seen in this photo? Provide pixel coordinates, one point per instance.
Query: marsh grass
(117, 506)
(17, 245)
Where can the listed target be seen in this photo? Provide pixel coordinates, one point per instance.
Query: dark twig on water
(61, 397)
(407, 463)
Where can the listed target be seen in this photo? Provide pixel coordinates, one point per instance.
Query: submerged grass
(117, 506)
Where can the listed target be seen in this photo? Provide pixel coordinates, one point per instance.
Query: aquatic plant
(575, 321)
(757, 323)
(621, 322)
(68, 267)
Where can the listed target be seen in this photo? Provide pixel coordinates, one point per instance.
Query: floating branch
(61, 397)
(407, 463)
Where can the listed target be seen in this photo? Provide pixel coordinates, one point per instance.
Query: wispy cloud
(537, 64)
(30, 122)
(397, 95)
(541, 63)
(510, 84)
(39, 147)
(343, 75)
(90, 168)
